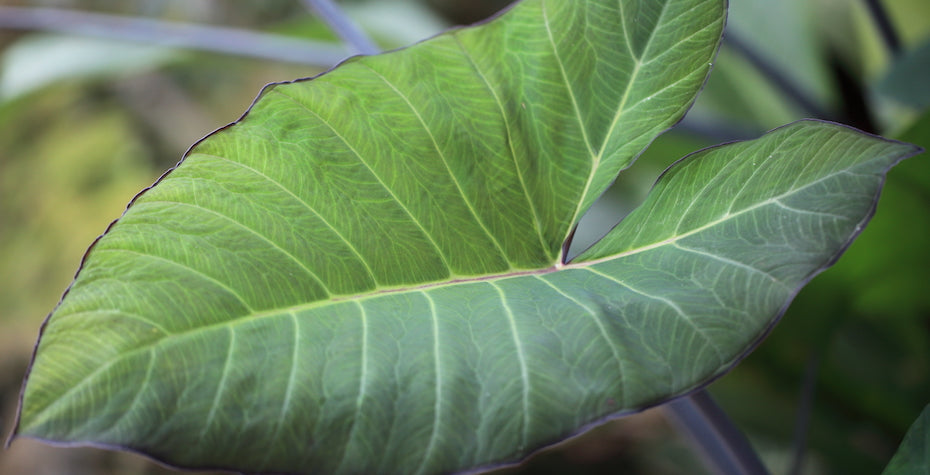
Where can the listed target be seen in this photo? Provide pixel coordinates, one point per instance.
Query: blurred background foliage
(86, 122)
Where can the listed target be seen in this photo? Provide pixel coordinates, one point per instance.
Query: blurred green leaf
(738, 95)
(907, 79)
(786, 34)
(66, 168)
(41, 59)
(913, 456)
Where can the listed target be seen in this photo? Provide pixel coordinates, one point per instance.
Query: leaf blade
(332, 230)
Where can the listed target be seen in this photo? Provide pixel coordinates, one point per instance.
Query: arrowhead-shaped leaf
(365, 273)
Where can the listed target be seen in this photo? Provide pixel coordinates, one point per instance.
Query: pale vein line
(130, 315)
(777, 148)
(600, 325)
(294, 359)
(736, 196)
(681, 313)
(438, 383)
(309, 208)
(361, 160)
(724, 175)
(521, 358)
(660, 91)
(49, 410)
(823, 145)
(720, 179)
(652, 34)
(679, 42)
(626, 33)
(363, 372)
(699, 229)
(272, 313)
(513, 153)
(221, 386)
(638, 64)
(813, 213)
(629, 87)
(362, 384)
(445, 162)
(288, 390)
(273, 244)
(725, 260)
(581, 125)
(596, 157)
(190, 269)
(141, 389)
(568, 87)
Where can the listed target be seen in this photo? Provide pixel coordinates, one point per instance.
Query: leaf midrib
(420, 288)
(672, 240)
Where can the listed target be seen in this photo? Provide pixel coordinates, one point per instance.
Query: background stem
(342, 26)
(174, 34)
(776, 77)
(720, 443)
(885, 28)
(803, 419)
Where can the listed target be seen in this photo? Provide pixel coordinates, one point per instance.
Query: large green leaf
(365, 273)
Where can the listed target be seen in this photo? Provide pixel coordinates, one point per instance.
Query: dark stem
(803, 418)
(342, 26)
(720, 443)
(854, 103)
(774, 75)
(173, 34)
(885, 28)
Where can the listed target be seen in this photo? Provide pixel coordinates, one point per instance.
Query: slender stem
(803, 418)
(721, 444)
(343, 26)
(788, 87)
(184, 35)
(885, 28)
